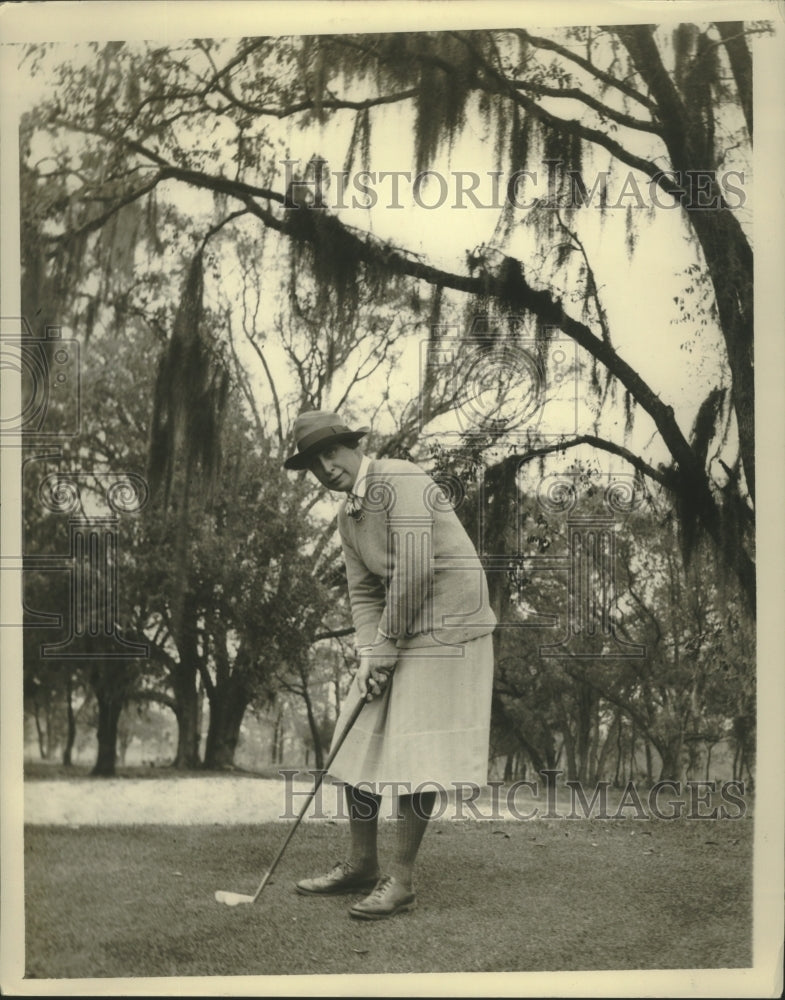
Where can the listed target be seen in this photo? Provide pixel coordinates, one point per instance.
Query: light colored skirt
(431, 725)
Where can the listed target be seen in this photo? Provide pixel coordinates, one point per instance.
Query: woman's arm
(409, 597)
(366, 596)
(378, 655)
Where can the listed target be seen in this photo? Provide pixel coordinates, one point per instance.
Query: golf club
(237, 898)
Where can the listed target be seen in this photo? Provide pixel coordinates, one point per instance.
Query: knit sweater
(413, 573)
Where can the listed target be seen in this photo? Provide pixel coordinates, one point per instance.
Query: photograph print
(381, 435)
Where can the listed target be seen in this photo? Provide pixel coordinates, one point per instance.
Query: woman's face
(336, 467)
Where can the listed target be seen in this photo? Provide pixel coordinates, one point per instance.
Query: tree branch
(243, 380)
(511, 289)
(335, 633)
(606, 78)
(575, 127)
(573, 93)
(157, 696)
(331, 104)
(639, 42)
(733, 37)
(664, 478)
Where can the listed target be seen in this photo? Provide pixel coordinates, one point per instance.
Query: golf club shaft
(339, 743)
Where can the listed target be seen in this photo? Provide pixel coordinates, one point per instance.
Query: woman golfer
(419, 602)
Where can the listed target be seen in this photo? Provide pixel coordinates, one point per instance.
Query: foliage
(691, 687)
(154, 217)
(653, 105)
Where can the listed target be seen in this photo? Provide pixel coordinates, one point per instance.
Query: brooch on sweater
(354, 507)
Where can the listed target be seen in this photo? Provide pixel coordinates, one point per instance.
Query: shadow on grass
(52, 771)
(530, 896)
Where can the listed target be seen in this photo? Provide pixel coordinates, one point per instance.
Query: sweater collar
(361, 483)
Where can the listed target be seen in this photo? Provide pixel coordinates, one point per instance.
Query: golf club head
(232, 898)
(238, 898)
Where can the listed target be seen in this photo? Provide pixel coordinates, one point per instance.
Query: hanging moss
(313, 73)
(629, 412)
(563, 253)
(554, 148)
(543, 332)
(189, 399)
(630, 232)
(435, 314)
(688, 521)
(684, 37)
(152, 222)
(595, 377)
(529, 135)
(117, 246)
(705, 427)
(35, 291)
(701, 80)
(442, 96)
(360, 142)
(428, 121)
(327, 251)
(504, 125)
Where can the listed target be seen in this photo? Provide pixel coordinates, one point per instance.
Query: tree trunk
(43, 741)
(567, 741)
(732, 34)
(508, 768)
(617, 778)
(725, 248)
(186, 711)
(184, 677)
(315, 733)
(275, 754)
(124, 739)
(693, 759)
(744, 739)
(112, 683)
(730, 263)
(593, 766)
(70, 737)
(227, 709)
(670, 753)
(604, 750)
(109, 709)
(586, 704)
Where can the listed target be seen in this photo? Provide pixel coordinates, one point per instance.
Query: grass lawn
(521, 896)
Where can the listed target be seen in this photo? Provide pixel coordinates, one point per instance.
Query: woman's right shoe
(342, 878)
(388, 898)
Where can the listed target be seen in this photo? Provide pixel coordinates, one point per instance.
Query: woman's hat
(316, 430)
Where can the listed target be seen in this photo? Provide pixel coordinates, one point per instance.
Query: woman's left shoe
(388, 898)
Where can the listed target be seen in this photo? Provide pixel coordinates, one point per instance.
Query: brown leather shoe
(388, 898)
(342, 878)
